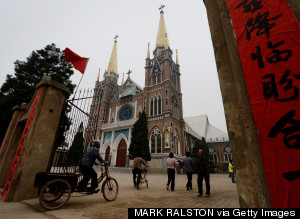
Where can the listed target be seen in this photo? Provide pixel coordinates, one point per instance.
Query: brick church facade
(161, 99)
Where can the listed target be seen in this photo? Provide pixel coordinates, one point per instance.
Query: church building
(161, 98)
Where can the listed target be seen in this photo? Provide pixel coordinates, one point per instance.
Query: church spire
(148, 53)
(122, 80)
(112, 65)
(98, 75)
(162, 37)
(177, 57)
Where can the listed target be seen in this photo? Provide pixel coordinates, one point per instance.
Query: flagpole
(80, 80)
(77, 87)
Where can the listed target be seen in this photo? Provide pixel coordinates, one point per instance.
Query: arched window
(166, 97)
(153, 140)
(144, 103)
(112, 118)
(175, 107)
(155, 106)
(158, 144)
(159, 105)
(173, 78)
(154, 80)
(159, 78)
(156, 141)
(151, 107)
(213, 154)
(227, 154)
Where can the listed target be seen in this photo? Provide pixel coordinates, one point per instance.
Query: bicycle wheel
(55, 194)
(110, 189)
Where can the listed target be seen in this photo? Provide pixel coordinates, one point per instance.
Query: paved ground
(223, 195)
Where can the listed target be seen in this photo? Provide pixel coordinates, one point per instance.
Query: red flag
(78, 62)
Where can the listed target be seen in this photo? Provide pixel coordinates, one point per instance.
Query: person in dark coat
(86, 166)
(202, 167)
(188, 167)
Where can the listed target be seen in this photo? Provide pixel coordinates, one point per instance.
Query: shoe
(167, 187)
(80, 189)
(207, 195)
(138, 188)
(199, 195)
(191, 188)
(94, 190)
(187, 188)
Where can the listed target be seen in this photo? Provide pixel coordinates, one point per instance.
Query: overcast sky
(88, 28)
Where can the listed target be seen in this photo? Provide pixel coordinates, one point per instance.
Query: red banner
(21, 145)
(268, 39)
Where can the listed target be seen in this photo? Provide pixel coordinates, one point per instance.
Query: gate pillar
(11, 141)
(37, 141)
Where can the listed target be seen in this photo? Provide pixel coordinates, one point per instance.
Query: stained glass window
(125, 113)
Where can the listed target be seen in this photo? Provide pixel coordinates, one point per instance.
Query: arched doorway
(107, 152)
(121, 154)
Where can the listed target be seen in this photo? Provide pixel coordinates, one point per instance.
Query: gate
(82, 113)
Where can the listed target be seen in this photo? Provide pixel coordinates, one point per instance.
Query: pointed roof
(148, 53)
(98, 75)
(112, 65)
(128, 83)
(122, 80)
(177, 57)
(162, 37)
(201, 126)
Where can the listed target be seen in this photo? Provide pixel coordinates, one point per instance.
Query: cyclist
(137, 170)
(86, 167)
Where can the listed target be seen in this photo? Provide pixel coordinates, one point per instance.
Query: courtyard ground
(223, 195)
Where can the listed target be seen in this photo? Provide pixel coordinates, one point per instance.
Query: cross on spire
(129, 72)
(116, 37)
(161, 8)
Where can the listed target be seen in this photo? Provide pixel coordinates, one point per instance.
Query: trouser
(189, 177)
(136, 171)
(88, 173)
(171, 178)
(200, 183)
(232, 176)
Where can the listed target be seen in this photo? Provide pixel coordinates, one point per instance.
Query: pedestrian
(188, 167)
(231, 167)
(137, 171)
(202, 166)
(171, 164)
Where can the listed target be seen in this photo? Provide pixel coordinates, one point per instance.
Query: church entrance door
(107, 153)
(121, 154)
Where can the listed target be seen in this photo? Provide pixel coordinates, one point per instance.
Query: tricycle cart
(55, 188)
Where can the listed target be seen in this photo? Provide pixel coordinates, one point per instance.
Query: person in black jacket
(202, 167)
(189, 168)
(86, 167)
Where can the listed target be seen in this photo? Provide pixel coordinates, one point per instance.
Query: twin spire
(112, 65)
(162, 36)
(162, 41)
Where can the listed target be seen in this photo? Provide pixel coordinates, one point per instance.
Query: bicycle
(144, 179)
(55, 188)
